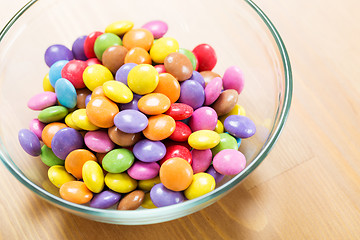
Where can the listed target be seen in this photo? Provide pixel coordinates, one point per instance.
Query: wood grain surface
(307, 188)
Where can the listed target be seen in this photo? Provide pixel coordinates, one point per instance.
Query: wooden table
(308, 187)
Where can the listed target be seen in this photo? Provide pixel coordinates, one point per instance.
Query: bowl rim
(164, 213)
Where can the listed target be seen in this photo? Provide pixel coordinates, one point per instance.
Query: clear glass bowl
(239, 31)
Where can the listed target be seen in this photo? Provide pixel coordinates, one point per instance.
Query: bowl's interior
(238, 33)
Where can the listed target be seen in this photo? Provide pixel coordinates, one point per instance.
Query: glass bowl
(239, 31)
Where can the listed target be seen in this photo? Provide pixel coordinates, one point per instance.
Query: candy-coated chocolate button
(81, 97)
(176, 174)
(119, 27)
(192, 94)
(120, 182)
(49, 158)
(201, 160)
(93, 176)
(157, 28)
(154, 103)
(76, 192)
(81, 120)
(146, 185)
(131, 201)
(142, 38)
(98, 92)
(49, 132)
(101, 112)
(76, 159)
(204, 118)
(123, 139)
(96, 75)
(52, 114)
(219, 128)
(169, 86)
(138, 55)
(105, 199)
(147, 203)
(178, 65)
(181, 133)
(206, 57)
(208, 76)
(226, 142)
(69, 121)
(131, 121)
(73, 71)
(225, 102)
(190, 56)
(240, 126)
(89, 44)
(42, 100)
(29, 142)
(180, 111)
(201, 184)
(234, 79)
(47, 85)
(177, 151)
(143, 171)
(161, 196)
(213, 90)
(113, 57)
(237, 110)
(159, 127)
(229, 162)
(118, 160)
(65, 93)
(65, 141)
(143, 79)
(103, 42)
(98, 141)
(163, 47)
(117, 92)
(204, 139)
(58, 176)
(149, 151)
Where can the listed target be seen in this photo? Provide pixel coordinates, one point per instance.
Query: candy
(81, 120)
(157, 28)
(29, 142)
(190, 56)
(163, 47)
(176, 174)
(226, 142)
(133, 104)
(92, 61)
(206, 57)
(120, 182)
(65, 141)
(98, 141)
(119, 27)
(42, 100)
(49, 158)
(89, 44)
(105, 199)
(52, 114)
(143, 170)
(101, 112)
(130, 121)
(161, 196)
(192, 94)
(114, 57)
(66, 93)
(78, 48)
(123, 72)
(36, 127)
(146, 185)
(216, 175)
(237, 110)
(81, 97)
(137, 55)
(229, 162)
(208, 76)
(204, 118)
(118, 160)
(219, 128)
(169, 86)
(55, 71)
(201, 160)
(160, 68)
(178, 65)
(159, 127)
(76, 159)
(96, 75)
(147, 203)
(117, 92)
(181, 133)
(149, 151)
(143, 79)
(49, 132)
(76, 192)
(225, 102)
(57, 52)
(73, 71)
(93, 176)
(154, 103)
(233, 79)
(201, 184)
(180, 111)
(123, 139)
(196, 76)
(142, 38)
(240, 126)
(103, 42)
(98, 92)
(132, 200)
(213, 90)
(204, 139)
(58, 176)
(47, 85)
(177, 151)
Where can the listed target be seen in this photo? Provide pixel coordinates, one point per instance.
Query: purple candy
(217, 176)
(149, 151)
(130, 121)
(192, 94)
(57, 52)
(204, 118)
(37, 127)
(65, 141)
(143, 170)
(87, 99)
(233, 79)
(29, 142)
(133, 104)
(239, 126)
(201, 160)
(229, 162)
(157, 28)
(196, 76)
(213, 90)
(122, 73)
(161, 196)
(78, 48)
(105, 199)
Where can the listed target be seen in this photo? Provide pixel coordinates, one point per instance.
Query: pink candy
(204, 118)
(213, 90)
(143, 171)
(99, 141)
(229, 162)
(36, 127)
(201, 160)
(42, 100)
(157, 28)
(233, 79)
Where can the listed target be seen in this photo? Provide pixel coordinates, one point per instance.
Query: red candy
(160, 68)
(206, 57)
(181, 133)
(89, 44)
(73, 71)
(177, 151)
(179, 111)
(169, 143)
(92, 61)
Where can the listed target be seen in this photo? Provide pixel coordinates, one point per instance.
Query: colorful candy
(132, 200)
(29, 142)
(114, 57)
(176, 174)
(229, 162)
(76, 192)
(105, 199)
(201, 184)
(42, 100)
(57, 52)
(178, 65)
(118, 160)
(240, 126)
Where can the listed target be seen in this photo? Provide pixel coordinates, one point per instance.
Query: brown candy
(113, 57)
(179, 66)
(81, 96)
(209, 75)
(123, 139)
(225, 102)
(132, 201)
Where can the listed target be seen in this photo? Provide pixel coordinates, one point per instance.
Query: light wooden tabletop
(307, 188)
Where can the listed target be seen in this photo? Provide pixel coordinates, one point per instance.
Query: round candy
(92, 61)
(76, 192)
(204, 118)
(202, 184)
(180, 111)
(52, 114)
(96, 75)
(55, 71)
(177, 151)
(49, 132)
(163, 47)
(133, 104)
(176, 174)
(213, 90)
(81, 97)
(30, 142)
(161, 196)
(120, 182)
(58, 176)
(146, 185)
(105, 199)
(147, 203)
(73, 71)
(42, 100)
(66, 93)
(143, 170)
(204, 139)
(233, 79)
(122, 74)
(123, 139)
(70, 123)
(160, 68)
(225, 102)
(206, 57)
(201, 160)
(217, 176)
(226, 142)
(113, 57)
(178, 65)
(103, 42)
(229, 162)
(49, 158)
(89, 44)
(237, 110)
(81, 120)
(181, 133)
(190, 56)
(65, 141)
(143, 79)
(119, 27)
(142, 38)
(196, 76)
(78, 48)
(47, 85)
(219, 128)
(169, 86)
(208, 76)
(154, 103)
(130, 121)
(98, 92)
(118, 160)
(93, 176)
(157, 28)
(101, 112)
(192, 94)
(117, 92)
(131, 201)
(240, 126)
(98, 141)
(138, 55)
(75, 161)
(149, 151)
(159, 127)
(57, 52)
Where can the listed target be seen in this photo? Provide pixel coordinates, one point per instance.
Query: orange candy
(75, 161)
(169, 86)
(159, 127)
(98, 92)
(101, 112)
(137, 55)
(176, 174)
(49, 132)
(154, 103)
(75, 192)
(138, 38)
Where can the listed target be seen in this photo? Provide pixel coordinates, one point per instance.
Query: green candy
(226, 142)
(104, 41)
(118, 160)
(190, 56)
(52, 114)
(48, 157)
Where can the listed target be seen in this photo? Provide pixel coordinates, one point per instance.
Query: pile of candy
(129, 118)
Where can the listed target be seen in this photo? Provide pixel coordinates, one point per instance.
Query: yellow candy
(93, 176)
(82, 121)
(118, 92)
(219, 128)
(96, 75)
(146, 185)
(143, 79)
(58, 175)
(237, 110)
(119, 27)
(202, 184)
(46, 84)
(204, 139)
(147, 203)
(163, 47)
(120, 182)
(70, 123)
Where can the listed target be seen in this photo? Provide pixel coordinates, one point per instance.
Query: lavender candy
(196, 76)
(192, 94)
(57, 52)
(29, 142)
(130, 121)
(65, 141)
(161, 196)
(123, 72)
(105, 199)
(78, 48)
(239, 126)
(149, 151)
